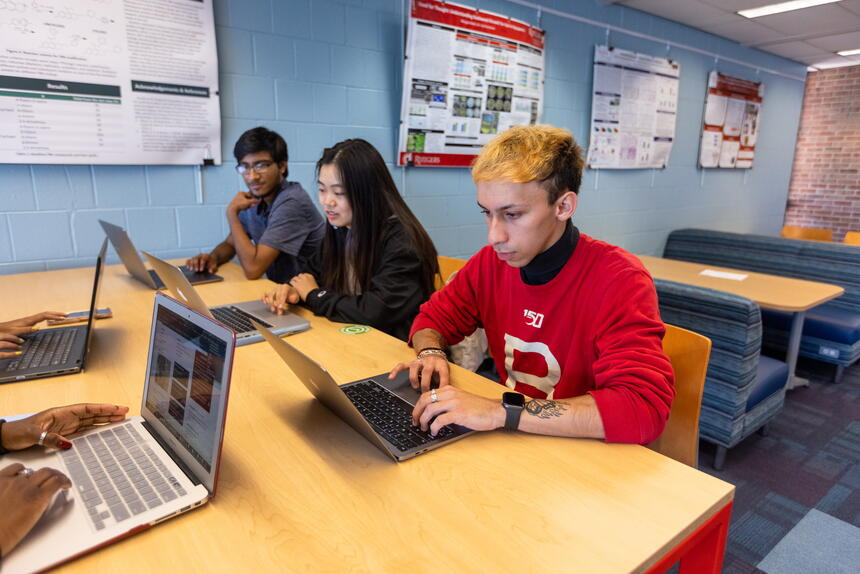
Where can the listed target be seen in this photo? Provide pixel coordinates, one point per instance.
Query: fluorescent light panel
(849, 52)
(782, 7)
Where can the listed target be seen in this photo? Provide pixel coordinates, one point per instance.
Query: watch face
(514, 399)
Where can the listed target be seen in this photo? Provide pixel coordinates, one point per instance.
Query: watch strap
(512, 416)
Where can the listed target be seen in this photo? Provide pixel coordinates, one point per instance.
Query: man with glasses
(274, 226)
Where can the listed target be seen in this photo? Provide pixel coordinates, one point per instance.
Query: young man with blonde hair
(572, 322)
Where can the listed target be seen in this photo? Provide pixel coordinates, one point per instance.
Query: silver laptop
(378, 408)
(130, 475)
(134, 265)
(237, 316)
(57, 351)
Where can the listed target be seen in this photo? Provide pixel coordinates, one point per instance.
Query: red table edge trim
(718, 524)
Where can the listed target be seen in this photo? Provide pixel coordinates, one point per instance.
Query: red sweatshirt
(594, 328)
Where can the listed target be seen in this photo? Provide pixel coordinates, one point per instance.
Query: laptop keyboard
(390, 415)
(44, 348)
(236, 319)
(118, 475)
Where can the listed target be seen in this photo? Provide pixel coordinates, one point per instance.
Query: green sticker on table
(355, 329)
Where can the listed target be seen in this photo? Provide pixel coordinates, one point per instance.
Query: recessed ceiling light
(782, 7)
(849, 52)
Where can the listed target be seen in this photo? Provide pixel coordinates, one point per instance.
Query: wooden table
(769, 291)
(299, 490)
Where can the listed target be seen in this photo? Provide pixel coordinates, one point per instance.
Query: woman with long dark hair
(376, 264)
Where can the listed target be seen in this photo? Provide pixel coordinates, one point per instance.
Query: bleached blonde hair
(541, 153)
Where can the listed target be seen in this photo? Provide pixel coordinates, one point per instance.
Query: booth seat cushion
(771, 377)
(823, 322)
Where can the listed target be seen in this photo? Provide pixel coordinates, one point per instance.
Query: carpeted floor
(810, 459)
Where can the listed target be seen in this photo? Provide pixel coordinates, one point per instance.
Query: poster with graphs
(732, 115)
(109, 82)
(633, 109)
(469, 75)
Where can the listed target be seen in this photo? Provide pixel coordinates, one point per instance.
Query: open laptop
(237, 316)
(134, 265)
(130, 475)
(57, 351)
(378, 408)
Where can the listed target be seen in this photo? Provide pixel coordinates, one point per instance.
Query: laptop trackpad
(399, 386)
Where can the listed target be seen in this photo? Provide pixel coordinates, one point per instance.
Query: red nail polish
(65, 445)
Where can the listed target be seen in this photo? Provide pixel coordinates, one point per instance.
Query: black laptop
(134, 265)
(57, 351)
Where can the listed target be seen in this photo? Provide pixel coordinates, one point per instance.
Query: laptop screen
(94, 298)
(188, 373)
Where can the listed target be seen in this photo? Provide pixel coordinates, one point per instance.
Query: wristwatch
(513, 403)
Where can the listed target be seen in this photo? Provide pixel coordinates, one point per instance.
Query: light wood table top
(770, 291)
(301, 491)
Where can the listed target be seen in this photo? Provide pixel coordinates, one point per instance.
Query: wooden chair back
(852, 238)
(447, 267)
(689, 353)
(809, 233)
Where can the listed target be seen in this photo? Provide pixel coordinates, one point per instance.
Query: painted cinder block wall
(319, 71)
(825, 181)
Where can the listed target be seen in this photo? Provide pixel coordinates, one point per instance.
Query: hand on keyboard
(450, 405)
(56, 423)
(10, 345)
(26, 324)
(24, 496)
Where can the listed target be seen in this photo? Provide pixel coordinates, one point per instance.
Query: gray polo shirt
(291, 224)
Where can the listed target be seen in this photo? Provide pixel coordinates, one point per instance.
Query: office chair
(852, 238)
(689, 353)
(447, 267)
(808, 233)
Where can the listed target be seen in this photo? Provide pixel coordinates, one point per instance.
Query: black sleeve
(391, 302)
(313, 264)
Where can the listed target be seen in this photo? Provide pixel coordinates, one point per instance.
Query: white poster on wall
(109, 82)
(469, 75)
(731, 121)
(633, 109)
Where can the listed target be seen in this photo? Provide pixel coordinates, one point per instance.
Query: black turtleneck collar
(545, 266)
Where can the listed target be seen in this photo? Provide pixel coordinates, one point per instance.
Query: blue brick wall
(319, 71)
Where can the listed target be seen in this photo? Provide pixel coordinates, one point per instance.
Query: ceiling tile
(798, 50)
(735, 5)
(851, 5)
(691, 12)
(810, 20)
(744, 31)
(837, 42)
(837, 62)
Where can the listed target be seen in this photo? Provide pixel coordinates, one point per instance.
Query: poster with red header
(469, 74)
(732, 116)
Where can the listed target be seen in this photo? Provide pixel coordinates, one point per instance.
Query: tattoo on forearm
(545, 409)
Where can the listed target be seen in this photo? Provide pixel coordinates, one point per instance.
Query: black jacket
(392, 300)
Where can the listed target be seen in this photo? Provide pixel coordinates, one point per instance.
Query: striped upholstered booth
(831, 332)
(744, 390)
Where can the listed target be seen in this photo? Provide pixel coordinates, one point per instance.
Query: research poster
(633, 109)
(469, 75)
(732, 115)
(109, 82)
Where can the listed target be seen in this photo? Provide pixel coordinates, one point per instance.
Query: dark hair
(261, 139)
(374, 199)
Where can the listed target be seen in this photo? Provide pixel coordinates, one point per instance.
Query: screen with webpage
(185, 383)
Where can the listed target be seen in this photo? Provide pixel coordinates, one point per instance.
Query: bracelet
(431, 349)
(426, 352)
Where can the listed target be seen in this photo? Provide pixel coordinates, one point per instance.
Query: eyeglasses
(258, 167)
